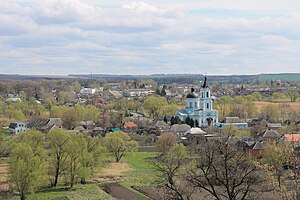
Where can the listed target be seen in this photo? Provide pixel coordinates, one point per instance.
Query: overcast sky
(146, 37)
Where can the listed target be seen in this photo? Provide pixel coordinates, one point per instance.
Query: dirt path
(121, 193)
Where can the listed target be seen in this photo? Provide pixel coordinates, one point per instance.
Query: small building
(13, 99)
(180, 129)
(234, 121)
(17, 127)
(194, 136)
(162, 126)
(79, 129)
(115, 94)
(130, 126)
(97, 131)
(258, 149)
(88, 91)
(274, 126)
(137, 92)
(292, 138)
(270, 135)
(45, 125)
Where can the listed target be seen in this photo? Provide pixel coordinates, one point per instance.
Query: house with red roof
(130, 127)
(293, 138)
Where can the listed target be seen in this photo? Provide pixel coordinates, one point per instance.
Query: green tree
(5, 143)
(87, 113)
(57, 144)
(257, 96)
(250, 109)
(76, 86)
(169, 109)
(58, 111)
(70, 118)
(224, 106)
(75, 156)
(133, 105)
(65, 97)
(16, 114)
(270, 113)
(49, 103)
(278, 95)
(26, 169)
(154, 104)
(34, 138)
(119, 143)
(90, 157)
(294, 95)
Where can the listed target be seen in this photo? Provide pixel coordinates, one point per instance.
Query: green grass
(86, 192)
(142, 172)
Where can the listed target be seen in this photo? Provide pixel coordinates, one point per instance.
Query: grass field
(295, 106)
(133, 170)
(3, 174)
(141, 171)
(282, 77)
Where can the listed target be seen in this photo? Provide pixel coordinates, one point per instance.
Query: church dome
(193, 94)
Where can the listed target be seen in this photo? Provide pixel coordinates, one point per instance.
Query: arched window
(207, 94)
(207, 105)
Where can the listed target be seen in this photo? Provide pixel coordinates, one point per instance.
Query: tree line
(59, 158)
(218, 170)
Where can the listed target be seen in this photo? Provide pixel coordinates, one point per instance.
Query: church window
(207, 105)
(195, 104)
(191, 105)
(207, 94)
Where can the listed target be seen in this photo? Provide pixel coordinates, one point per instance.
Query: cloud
(77, 36)
(63, 11)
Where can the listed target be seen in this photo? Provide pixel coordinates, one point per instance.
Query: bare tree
(166, 141)
(224, 173)
(170, 178)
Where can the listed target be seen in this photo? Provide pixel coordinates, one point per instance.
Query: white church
(199, 108)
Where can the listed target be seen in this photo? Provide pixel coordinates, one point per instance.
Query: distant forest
(167, 78)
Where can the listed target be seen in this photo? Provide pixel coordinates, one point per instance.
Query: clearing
(295, 106)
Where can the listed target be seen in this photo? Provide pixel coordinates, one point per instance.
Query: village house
(115, 94)
(180, 129)
(234, 121)
(45, 125)
(17, 127)
(194, 136)
(258, 149)
(273, 126)
(130, 127)
(137, 92)
(292, 138)
(162, 126)
(269, 135)
(88, 91)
